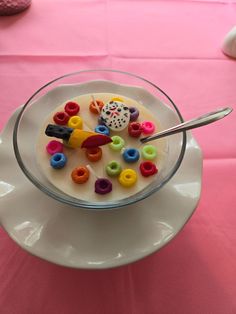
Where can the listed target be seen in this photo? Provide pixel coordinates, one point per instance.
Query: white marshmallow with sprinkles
(115, 115)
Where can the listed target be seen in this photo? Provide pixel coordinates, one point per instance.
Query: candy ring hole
(53, 145)
(57, 158)
(103, 185)
(113, 166)
(102, 129)
(131, 152)
(71, 106)
(74, 120)
(147, 166)
(80, 172)
(94, 154)
(132, 110)
(93, 151)
(128, 176)
(148, 125)
(61, 116)
(116, 141)
(149, 151)
(135, 127)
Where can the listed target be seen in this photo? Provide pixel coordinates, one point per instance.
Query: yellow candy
(117, 99)
(78, 136)
(127, 178)
(75, 122)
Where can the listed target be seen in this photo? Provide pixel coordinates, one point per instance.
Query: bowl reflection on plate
(53, 94)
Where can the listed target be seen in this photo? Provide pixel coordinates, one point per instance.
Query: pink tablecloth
(175, 44)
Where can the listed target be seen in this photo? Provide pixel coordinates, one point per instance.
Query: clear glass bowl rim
(86, 205)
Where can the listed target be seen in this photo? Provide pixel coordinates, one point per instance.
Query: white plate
(80, 238)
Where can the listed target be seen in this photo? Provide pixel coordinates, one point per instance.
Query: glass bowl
(50, 96)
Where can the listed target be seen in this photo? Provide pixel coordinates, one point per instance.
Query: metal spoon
(191, 124)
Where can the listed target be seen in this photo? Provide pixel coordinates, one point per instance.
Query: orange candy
(93, 108)
(94, 154)
(80, 175)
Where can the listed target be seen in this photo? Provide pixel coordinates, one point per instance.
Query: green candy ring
(117, 143)
(149, 152)
(113, 169)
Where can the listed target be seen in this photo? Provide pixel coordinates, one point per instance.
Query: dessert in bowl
(107, 179)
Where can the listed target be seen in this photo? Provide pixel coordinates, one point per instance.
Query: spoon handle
(191, 124)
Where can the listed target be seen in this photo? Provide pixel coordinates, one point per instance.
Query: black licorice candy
(58, 131)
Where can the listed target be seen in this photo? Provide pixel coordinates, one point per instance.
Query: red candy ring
(72, 108)
(61, 118)
(135, 129)
(148, 168)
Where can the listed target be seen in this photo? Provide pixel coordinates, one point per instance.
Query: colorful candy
(95, 140)
(76, 137)
(93, 107)
(94, 154)
(75, 122)
(58, 161)
(72, 108)
(127, 177)
(117, 99)
(58, 131)
(117, 143)
(54, 147)
(103, 186)
(61, 118)
(148, 168)
(149, 152)
(115, 115)
(148, 127)
(86, 139)
(134, 113)
(131, 155)
(113, 169)
(102, 129)
(134, 129)
(80, 174)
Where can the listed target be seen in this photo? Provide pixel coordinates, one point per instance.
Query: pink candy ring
(148, 127)
(54, 147)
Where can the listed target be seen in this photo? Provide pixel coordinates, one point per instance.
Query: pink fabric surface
(175, 44)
